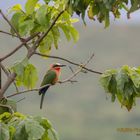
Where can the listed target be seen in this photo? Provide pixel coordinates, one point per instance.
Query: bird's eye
(55, 66)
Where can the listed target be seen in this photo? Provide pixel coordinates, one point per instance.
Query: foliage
(37, 18)
(26, 74)
(20, 127)
(102, 9)
(123, 84)
(7, 105)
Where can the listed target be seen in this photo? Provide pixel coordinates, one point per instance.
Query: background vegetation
(81, 111)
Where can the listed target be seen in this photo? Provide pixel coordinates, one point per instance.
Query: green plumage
(49, 78)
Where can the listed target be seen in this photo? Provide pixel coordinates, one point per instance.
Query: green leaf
(56, 36)
(135, 76)
(106, 78)
(54, 133)
(25, 27)
(34, 130)
(107, 20)
(12, 131)
(43, 122)
(15, 21)
(30, 76)
(74, 33)
(45, 45)
(45, 136)
(90, 13)
(20, 133)
(4, 132)
(30, 5)
(135, 6)
(18, 68)
(112, 88)
(5, 117)
(66, 31)
(124, 84)
(16, 7)
(42, 17)
(17, 126)
(121, 79)
(74, 20)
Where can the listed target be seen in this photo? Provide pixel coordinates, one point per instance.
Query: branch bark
(78, 71)
(18, 47)
(7, 33)
(66, 60)
(31, 52)
(36, 44)
(69, 79)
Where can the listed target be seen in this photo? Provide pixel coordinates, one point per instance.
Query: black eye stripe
(55, 65)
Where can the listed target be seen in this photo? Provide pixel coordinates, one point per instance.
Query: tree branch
(78, 71)
(4, 69)
(66, 60)
(12, 27)
(25, 91)
(18, 47)
(31, 51)
(10, 79)
(36, 44)
(12, 52)
(7, 33)
(64, 81)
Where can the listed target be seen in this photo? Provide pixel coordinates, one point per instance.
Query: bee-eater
(50, 78)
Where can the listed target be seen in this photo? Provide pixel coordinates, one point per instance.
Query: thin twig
(7, 72)
(36, 44)
(20, 100)
(78, 71)
(71, 69)
(17, 90)
(7, 33)
(29, 90)
(18, 47)
(12, 52)
(4, 69)
(66, 60)
(9, 81)
(12, 27)
(31, 52)
(69, 79)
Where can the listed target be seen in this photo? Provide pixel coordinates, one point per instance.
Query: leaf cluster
(102, 9)
(123, 84)
(20, 127)
(26, 74)
(37, 17)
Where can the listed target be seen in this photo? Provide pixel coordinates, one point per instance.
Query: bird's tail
(42, 93)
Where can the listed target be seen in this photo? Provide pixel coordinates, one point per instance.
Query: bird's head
(57, 66)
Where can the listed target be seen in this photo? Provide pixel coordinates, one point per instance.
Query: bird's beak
(62, 65)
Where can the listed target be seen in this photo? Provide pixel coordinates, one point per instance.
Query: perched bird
(51, 77)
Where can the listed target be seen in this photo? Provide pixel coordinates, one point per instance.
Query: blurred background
(83, 111)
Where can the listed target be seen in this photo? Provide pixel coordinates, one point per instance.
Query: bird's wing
(49, 78)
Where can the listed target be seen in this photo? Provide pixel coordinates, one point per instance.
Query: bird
(50, 78)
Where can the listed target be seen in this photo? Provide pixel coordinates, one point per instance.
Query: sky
(5, 4)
